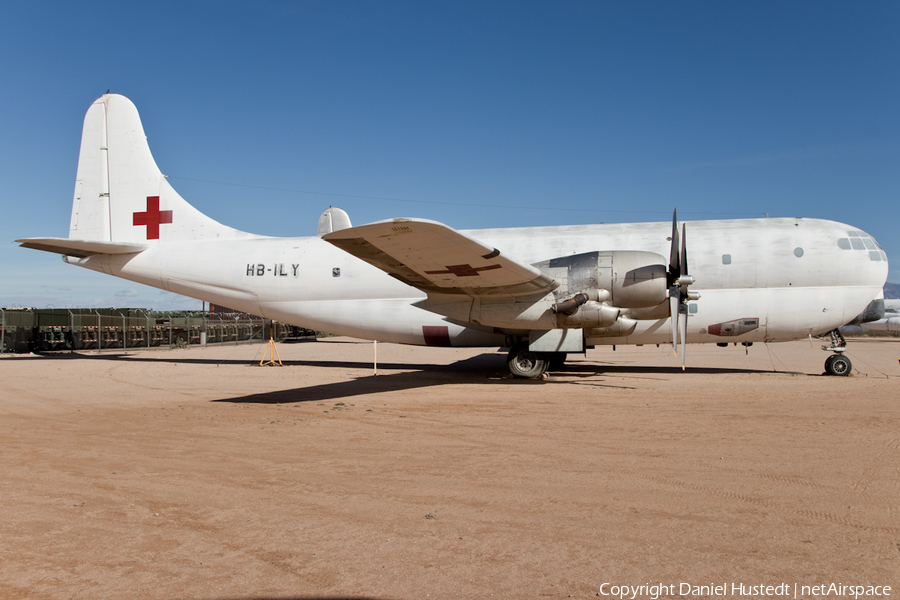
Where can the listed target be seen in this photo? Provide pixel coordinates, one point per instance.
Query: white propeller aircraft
(540, 291)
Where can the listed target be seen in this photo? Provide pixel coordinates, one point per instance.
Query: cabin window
(726, 259)
(844, 244)
(857, 244)
(875, 255)
(798, 252)
(692, 308)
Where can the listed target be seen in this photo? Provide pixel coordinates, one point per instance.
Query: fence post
(99, 332)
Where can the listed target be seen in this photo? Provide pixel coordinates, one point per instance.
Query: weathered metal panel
(556, 340)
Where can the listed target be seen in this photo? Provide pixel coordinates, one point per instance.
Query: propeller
(679, 280)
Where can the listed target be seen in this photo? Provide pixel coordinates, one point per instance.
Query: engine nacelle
(633, 279)
(623, 327)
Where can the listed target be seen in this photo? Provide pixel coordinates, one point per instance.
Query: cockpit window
(860, 240)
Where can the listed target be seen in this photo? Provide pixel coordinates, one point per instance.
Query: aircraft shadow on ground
(484, 368)
(476, 370)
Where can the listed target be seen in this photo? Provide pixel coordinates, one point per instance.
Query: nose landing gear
(837, 364)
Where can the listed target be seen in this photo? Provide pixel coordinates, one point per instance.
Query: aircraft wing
(437, 259)
(80, 248)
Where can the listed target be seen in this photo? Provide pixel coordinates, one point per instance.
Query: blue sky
(482, 114)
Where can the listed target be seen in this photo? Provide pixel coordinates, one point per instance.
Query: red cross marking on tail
(153, 218)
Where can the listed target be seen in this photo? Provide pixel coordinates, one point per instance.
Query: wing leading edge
(439, 260)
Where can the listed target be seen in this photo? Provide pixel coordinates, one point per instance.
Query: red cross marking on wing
(153, 218)
(463, 270)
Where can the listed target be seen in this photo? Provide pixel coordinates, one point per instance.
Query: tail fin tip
(120, 193)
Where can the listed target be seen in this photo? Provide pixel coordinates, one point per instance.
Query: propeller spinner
(679, 280)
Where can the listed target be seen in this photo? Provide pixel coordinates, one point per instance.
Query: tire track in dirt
(859, 490)
(130, 382)
(182, 518)
(887, 455)
(757, 501)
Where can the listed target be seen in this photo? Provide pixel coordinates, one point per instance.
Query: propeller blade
(683, 333)
(674, 252)
(684, 265)
(674, 304)
(674, 266)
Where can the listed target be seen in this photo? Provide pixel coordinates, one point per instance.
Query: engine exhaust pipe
(570, 306)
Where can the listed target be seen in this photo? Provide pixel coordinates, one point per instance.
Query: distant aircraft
(889, 322)
(543, 292)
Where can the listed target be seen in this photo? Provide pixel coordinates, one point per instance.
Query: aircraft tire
(524, 363)
(838, 365)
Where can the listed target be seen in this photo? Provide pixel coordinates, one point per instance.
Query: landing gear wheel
(525, 363)
(838, 365)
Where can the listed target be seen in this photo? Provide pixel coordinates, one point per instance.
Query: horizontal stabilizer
(81, 248)
(437, 259)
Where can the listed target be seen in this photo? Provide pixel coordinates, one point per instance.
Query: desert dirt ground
(196, 474)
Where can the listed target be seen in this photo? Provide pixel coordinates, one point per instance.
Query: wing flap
(437, 259)
(80, 248)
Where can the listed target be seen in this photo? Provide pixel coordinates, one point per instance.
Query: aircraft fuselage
(793, 276)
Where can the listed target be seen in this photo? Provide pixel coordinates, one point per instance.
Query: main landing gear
(837, 364)
(527, 364)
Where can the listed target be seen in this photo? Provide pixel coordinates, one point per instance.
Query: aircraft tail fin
(120, 193)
